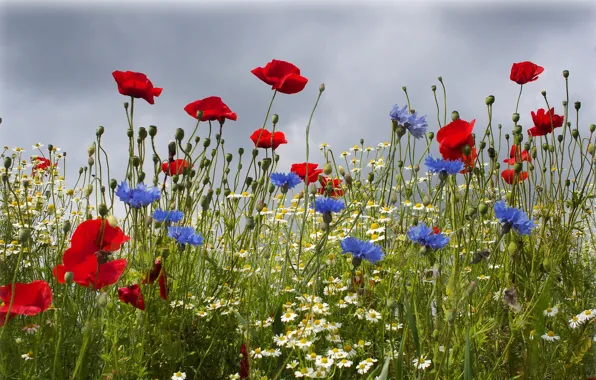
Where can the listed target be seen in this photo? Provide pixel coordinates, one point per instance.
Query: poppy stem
(521, 87)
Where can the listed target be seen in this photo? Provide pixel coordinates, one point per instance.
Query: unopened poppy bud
(322, 87)
(543, 92)
(467, 150)
(483, 208)
(205, 202)
(454, 115)
(272, 188)
(371, 177)
(172, 148)
(90, 161)
(393, 198)
(426, 200)
(125, 105)
(470, 211)
(129, 132)
(113, 184)
(24, 235)
(517, 129)
(431, 135)
(102, 209)
(567, 183)
(175, 178)
(433, 88)
(489, 100)
(313, 189)
(99, 131)
(491, 152)
(565, 74)
(400, 131)
(250, 222)
(482, 145)
(265, 163)
(591, 149)
(506, 136)
(142, 176)
(188, 147)
(560, 138)
(275, 118)
(88, 190)
(575, 133)
(91, 150)
(179, 135)
(136, 161)
(206, 142)
(227, 192)
(152, 130)
(348, 178)
(68, 277)
(102, 300)
(229, 157)
(341, 170)
(255, 152)
(142, 133)
(518, 167)
(592, 128)
(404, 89)
(327, 169)
(7, 162)
(400, 164)
(497, 165)
(578, 105)
(66, 227)
(327, 218)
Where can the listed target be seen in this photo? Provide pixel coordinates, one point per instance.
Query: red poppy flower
(158, 273)
(97, 234)
(84, 267)
(282, 76)
(29, 299)
(509, 176)
(542, 122)
(336, 187)
(525, 156)
(175, 167)
(454, 138)
(131, 294)
(525, 72)
(265, 139)
(313, 172)
(136, 85)
(244, 362)
(213, 109)
(436, 230)
(41, 163)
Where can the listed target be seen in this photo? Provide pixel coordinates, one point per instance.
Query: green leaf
(412, 323)
(278, 327)
(468, 358)
(385, 371)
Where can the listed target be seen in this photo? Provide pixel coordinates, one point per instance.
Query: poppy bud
(24, 235)
(227, 192)
(136, 161)
(102, 300)
(467, 150)
(152, 130)
(254, 186)
(517, 129)
(431, 135)
(591, 149)
(470, 211)
(255, 152)
(489, 100)
(575, 133)
(272, 188)
(400, 131)
(142, 133)
(275, 118)
(454, 115)
(482, 145)
(66, 226)
(68, 277)
(497, 165)
(265, 164)
(7, 162)
(578, 105)
(560, 138)
(483, 208)
(90, 161)
(188, 147)
(313, 189)
(515, 117)
(205, 202)
(103, 209)
(179, 135)
(129, 132)
(592, 128)
(565, 74)
(518, 167)
(567, 183)
(88, 190)
(322, 87)
(506, 136)
(341, 170)
(327, 218)
(327, 169)
(99, 131)
(491, 152)
(250, 222)
(141, 176)
(371, 177)
(348, 178)
(426, 200)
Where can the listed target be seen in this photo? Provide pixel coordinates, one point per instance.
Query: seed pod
(99, 131)
(142, 133)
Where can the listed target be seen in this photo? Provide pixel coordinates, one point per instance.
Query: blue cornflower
(360, 249)
(512, 217)
(185, 235)
(443, 167)
(328, 205)
(285, 181)
(173, 216)
(425, 236)
(139, 196)
(416, 125)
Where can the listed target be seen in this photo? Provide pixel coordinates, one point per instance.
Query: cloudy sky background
(56, 63)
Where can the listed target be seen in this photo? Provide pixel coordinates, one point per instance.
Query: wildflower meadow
(452, 250)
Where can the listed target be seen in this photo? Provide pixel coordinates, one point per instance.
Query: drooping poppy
(29, 299)
(301, 169)
(265, 139)
(542, 122)
(510, 177)
(132, 295)
(136, 85)
(282, 76)
(213, 109)
(175, 167)
(525, 72)
(244, 362)
(158, 272)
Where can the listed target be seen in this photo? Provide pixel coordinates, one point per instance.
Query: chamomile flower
(550, 336)
(179, 376)
(422, 362)
(551, 311)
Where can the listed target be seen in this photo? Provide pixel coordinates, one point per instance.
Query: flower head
(286, 181)
(175, 167)
(265, 139)
(514, 218)
(456, 141)
(138, 197)
(213, 108)
(427, 237)
(545, 123)
(173, 216)
(136, 85)
(28, 299)
(328, 205)
(283, 76)
(302, 169)
(445, 167)
(525, 72)
(361, 250)
(132, 295)
(416, 125)
(185, 235)
(510, 176)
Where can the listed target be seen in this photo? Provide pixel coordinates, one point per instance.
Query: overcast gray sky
(56, 63)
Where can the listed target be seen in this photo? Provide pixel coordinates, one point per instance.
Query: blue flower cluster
(425, 236)
(416, 125)
(511, 217)
(138, 197)
(173, 216)
(328, 205)
(185, 235)
(441, 166)
(361, 249)
(286, 181)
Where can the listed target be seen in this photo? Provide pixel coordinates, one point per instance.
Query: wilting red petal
(109, 273)
(136, 85)
(542, 122)
(132, 295)
(525, 72)
(213, 109)
(509, 176)
(163, 285)
(244, 362)
(525, 156)
(282, 76)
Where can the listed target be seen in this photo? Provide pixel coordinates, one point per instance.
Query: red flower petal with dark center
(97, 234)
(542, 122)
(509, 176)
(132, 295)
(313, 172)
(336, 187)
(175, 167)
(29, 299)
(262, 138)
(452, 139)
(524, 156)
(282, 76)
(525, 72)
(213, 109)
(136, 85)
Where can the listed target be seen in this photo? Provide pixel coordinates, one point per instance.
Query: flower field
(452, 250)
